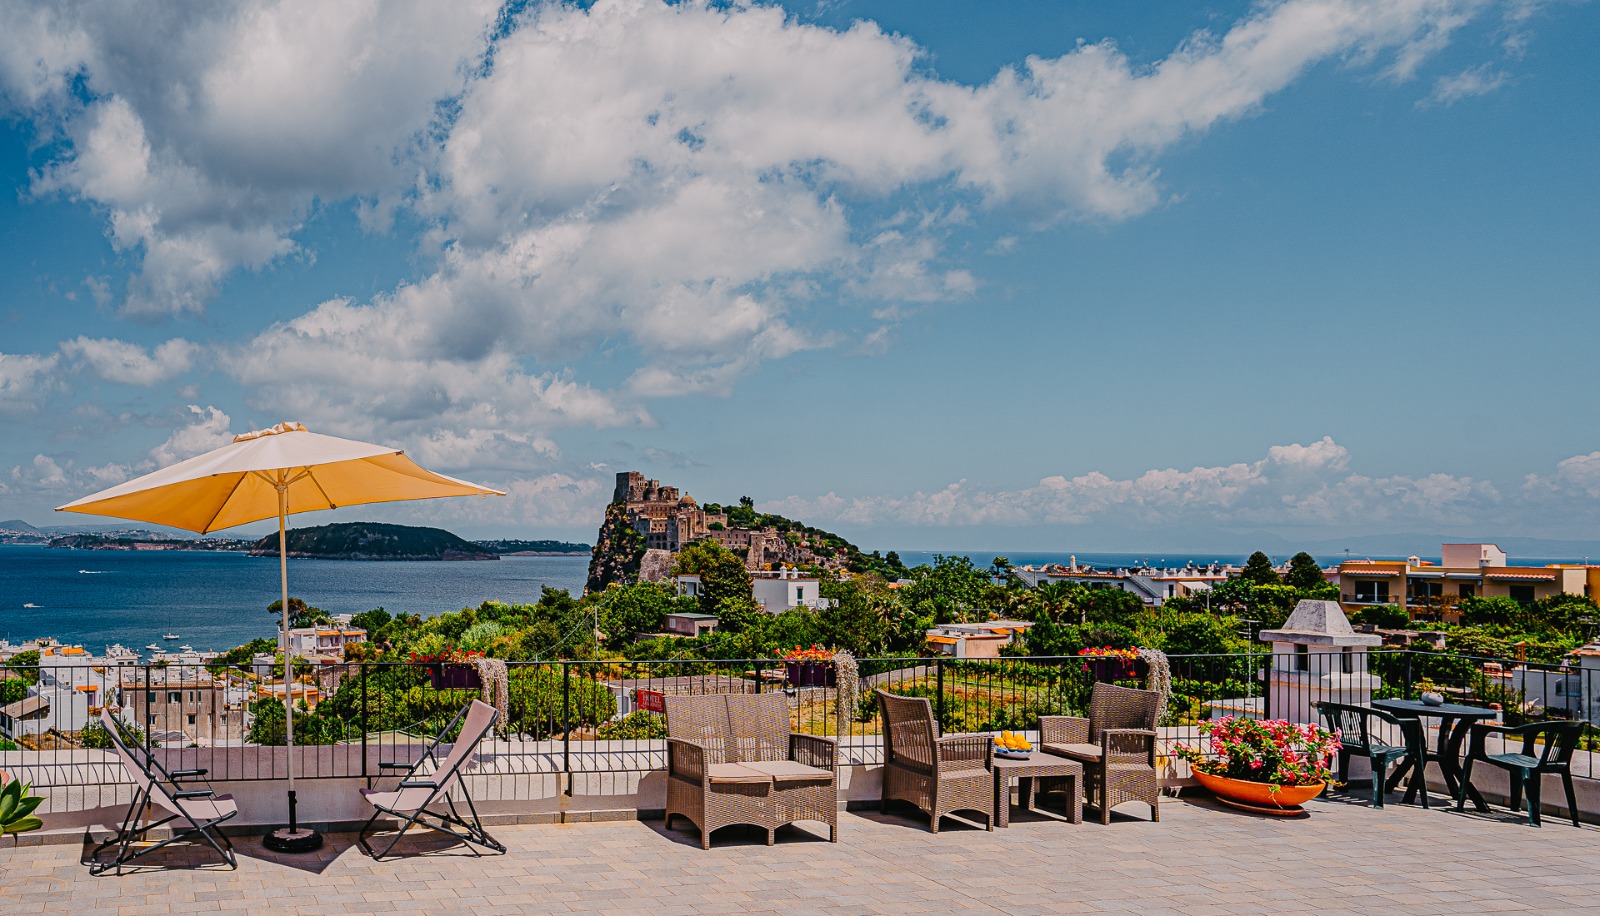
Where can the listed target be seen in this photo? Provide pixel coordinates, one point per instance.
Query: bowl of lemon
(1012, 745)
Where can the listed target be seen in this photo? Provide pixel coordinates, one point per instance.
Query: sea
(218, 600)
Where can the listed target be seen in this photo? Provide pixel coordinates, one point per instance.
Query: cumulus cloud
(130, 364)
(206, 430)
(208, 133)
(25, 378)
(1292, 485)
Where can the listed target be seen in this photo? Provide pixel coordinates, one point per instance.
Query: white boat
(154, 647)
(186, 648)
(172, 636)
(30, 604)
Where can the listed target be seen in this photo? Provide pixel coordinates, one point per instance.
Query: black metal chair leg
(1532, 779)
(1572, 796)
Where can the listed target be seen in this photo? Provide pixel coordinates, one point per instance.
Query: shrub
(639, 724)
(94, 736)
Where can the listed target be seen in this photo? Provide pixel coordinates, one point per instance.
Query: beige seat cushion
(1089, 752)
(789, 771)
(736, 773)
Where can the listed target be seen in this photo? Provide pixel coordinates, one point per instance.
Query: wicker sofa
(938, 775)
(732, 759)
(1116, 745)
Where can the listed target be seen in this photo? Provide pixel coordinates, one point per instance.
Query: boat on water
(172, 636)
(30, 604)
(186, 648)
(154, 647)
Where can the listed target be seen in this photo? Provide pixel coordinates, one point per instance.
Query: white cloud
(25, 378)
(207, 430)
(130, 364)
(1292, 485)
(209, 132)
(1474, 81)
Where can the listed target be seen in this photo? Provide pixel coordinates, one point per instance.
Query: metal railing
(596, 718)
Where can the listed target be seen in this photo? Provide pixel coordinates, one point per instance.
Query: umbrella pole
(292, 838)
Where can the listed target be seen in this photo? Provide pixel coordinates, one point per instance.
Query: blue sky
(1063, 275)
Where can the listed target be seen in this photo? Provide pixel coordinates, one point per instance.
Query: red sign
(650, 700)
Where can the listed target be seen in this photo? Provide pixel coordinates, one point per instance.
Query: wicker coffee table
(1040, 764)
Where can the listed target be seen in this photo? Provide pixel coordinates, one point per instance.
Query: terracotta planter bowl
(1259, 796)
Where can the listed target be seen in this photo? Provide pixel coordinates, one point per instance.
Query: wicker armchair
(1116, 745)
(938, 775)
(731, 759)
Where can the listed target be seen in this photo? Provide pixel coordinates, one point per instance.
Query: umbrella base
(285, 839)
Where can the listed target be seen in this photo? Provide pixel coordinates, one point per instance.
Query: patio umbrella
(274, 473)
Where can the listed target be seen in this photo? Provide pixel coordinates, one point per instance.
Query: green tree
(627, 610)
(740, 615)
(1383, 616)
(12, 689)
(951, 590)
(1304, 572)
(721, 571)
(1109, 605)
(94, 737)
(25, 665)
(300, 613)
(1478, 611)
(373, 622)
(1258, 571)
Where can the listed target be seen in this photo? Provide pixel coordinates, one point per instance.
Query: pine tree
(1303, 572)
(1258, 571)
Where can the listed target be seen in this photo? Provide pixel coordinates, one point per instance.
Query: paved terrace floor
(1201, 858)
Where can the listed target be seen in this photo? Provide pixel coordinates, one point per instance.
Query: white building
(1317, 656)
(785, 589)
(976, 640)
(71, 688)
(775, 592)
(326, 642)
(1573, 688)
(1152, 585)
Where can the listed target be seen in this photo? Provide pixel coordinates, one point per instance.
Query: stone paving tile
(1200, 859)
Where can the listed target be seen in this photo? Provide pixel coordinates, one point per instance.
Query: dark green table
(1455, 721)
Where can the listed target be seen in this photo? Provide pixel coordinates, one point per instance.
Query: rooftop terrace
(1200, 858)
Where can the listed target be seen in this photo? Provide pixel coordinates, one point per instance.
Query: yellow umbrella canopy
(239, 483)
(274, 473)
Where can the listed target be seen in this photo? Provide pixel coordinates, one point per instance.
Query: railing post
(1408, 674)
(566, 723)
(758, 675)
(364, 721)
(938, 696)
(147, 700)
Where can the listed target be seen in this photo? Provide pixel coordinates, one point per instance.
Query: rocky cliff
(618, 548)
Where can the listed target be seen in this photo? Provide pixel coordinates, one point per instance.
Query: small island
(373, 541)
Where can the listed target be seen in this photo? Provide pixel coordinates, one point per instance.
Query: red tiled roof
(1545, 574)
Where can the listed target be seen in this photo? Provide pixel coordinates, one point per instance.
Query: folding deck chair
(411, 800)
(201, 809)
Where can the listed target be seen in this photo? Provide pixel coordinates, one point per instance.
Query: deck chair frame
(441, 786)
(157, 787)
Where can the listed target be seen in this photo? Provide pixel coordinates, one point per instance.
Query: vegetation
(534, 547)
(12, 689)
(374, 541)
(17, 804)
(25, 665)
(94, 736)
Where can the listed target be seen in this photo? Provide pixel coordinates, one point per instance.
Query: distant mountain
(535, 548)
(373, 541)
(17, 524)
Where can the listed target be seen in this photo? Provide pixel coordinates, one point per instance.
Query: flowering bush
(1126, 655)
(812, 654)
(446, 657)
(1275, 751)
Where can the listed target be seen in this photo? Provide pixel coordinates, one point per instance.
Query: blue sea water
(219, 600)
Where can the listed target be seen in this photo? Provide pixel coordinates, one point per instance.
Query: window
(1368, 592)
(1521, 594)
(174, 696)
(1426, 591)
(191, 718)
(1466, 590)
(1302, 657)
(799, 594)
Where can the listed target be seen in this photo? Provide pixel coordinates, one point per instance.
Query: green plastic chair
(1560, 738)
(1357, 737)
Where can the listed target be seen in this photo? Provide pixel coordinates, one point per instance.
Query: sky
(1061, 275)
